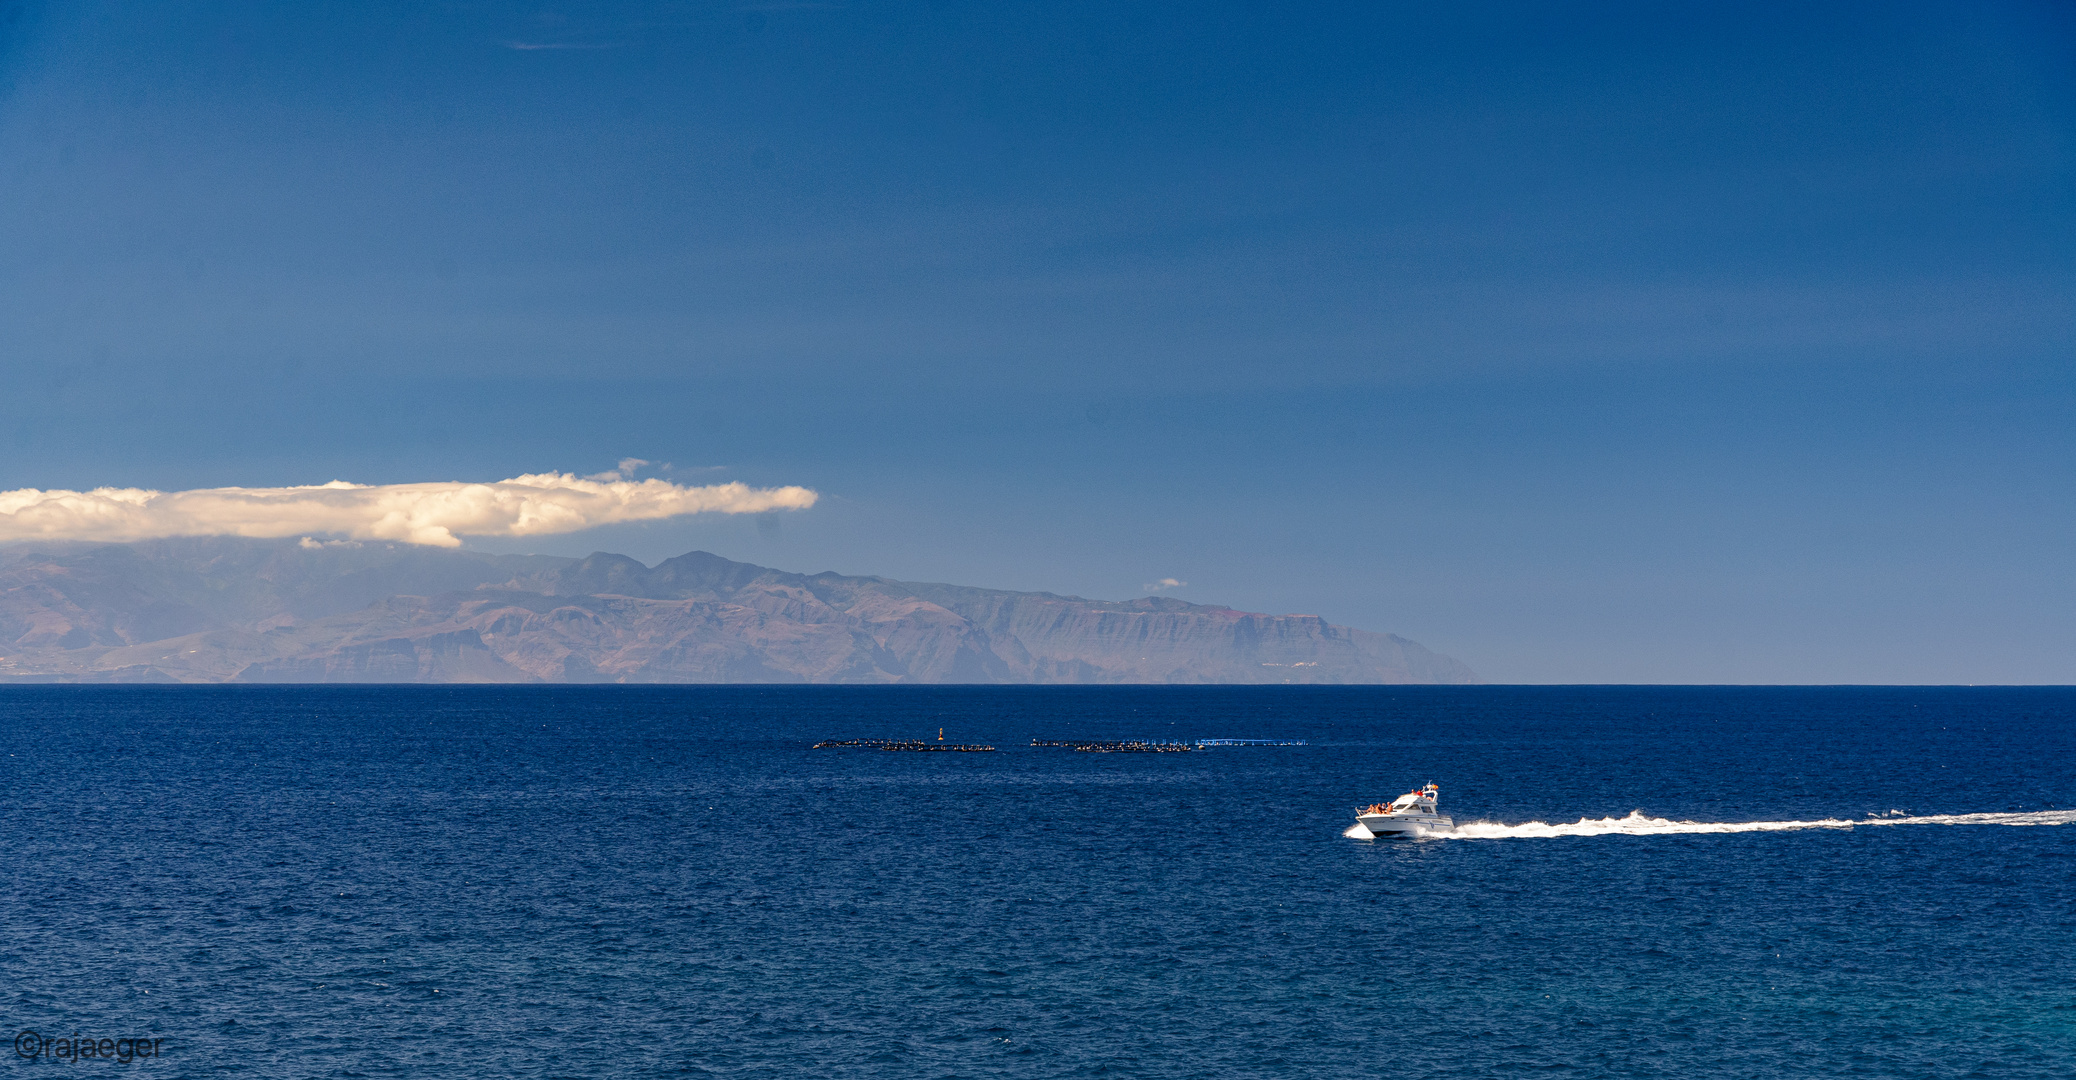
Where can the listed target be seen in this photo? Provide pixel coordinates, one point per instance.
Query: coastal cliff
(224, 610)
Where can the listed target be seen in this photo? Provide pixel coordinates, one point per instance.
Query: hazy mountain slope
(128, 593)
(278, 611)
(1158, 639)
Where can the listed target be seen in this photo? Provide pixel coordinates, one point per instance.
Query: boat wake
(1636, 824)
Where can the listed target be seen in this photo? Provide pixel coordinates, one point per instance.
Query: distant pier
(908, 745)
(1085, 746)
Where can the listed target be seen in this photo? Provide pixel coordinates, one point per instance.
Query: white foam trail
(1636, 824)
(1358, 831)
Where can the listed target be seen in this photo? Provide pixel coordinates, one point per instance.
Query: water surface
(340, 881)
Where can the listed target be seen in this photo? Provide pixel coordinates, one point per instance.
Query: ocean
(626, 881)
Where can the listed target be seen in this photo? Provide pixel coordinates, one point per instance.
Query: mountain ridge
(235, 610)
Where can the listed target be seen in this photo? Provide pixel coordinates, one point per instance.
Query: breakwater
(913, 745)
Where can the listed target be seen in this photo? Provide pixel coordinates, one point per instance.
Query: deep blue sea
(578, 882)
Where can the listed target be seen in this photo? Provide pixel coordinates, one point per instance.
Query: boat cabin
(1412, 802)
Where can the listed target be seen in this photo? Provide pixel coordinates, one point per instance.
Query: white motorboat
(1408, 815)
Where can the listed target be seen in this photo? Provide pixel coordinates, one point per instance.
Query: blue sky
(1581, 342)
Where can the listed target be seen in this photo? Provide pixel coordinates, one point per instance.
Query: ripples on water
(625, 881)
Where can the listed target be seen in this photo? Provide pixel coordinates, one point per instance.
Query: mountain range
(216, 609)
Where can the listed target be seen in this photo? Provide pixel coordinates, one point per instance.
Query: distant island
(219, 609)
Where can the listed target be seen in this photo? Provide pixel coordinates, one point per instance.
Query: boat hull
(1404, 824)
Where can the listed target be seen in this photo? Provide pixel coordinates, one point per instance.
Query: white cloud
(538, 504)
(1163, 585)
(623, 471)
